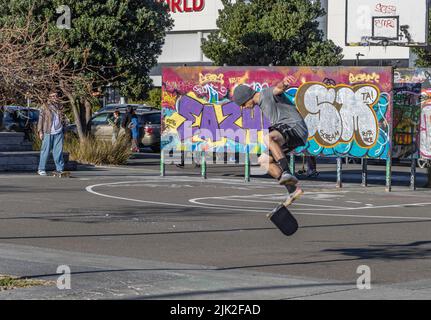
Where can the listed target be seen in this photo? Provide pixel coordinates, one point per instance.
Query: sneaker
(42, 173)
(294, 196)
(288, 179)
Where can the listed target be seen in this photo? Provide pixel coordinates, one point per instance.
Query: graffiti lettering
(386, 9)
(213, 93)
(339, 114)
(385, 23)
(200, 118)
(239, 80)
(211, 78)
(364, 77)
(416, 76)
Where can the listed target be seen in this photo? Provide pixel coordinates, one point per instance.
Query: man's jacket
(44, 124)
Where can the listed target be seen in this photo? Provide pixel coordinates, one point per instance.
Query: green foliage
(154, 98)
(9, 283)
(263, 32)
(123, 37)
(424, 54)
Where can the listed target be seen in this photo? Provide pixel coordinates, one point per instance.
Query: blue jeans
(52, 142)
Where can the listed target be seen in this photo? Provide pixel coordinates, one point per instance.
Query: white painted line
(216, 207)
(231, 198)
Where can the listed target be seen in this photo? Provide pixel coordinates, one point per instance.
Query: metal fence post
(364, 172)
(292, 164)
(413, 174)
(162, 163)
(247, 164)
(339, 172)
(203, 165)
(389, 174)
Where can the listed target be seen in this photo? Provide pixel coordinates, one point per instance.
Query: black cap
(242, 94)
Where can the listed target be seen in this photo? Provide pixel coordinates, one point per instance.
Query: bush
(91, 150)
(97, 152)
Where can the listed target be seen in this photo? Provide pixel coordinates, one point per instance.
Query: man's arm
(282, 86)
(40, 123)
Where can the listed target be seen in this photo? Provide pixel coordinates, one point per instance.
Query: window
(100, 119)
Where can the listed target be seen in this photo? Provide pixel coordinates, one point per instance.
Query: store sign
(185, 5)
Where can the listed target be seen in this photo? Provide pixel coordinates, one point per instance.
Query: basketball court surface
(128, 233)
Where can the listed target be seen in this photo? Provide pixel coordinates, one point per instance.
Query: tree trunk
(78, 122)
(88, 111)
(76, 114)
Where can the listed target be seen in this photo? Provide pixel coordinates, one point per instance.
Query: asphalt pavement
(127, 233)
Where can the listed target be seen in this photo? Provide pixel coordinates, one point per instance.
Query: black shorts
(291, 135)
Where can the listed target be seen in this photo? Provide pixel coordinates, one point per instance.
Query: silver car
(149, 132)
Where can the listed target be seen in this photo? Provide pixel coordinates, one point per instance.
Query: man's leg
(267, 163)
(57, 151)
(274, 140)
(44, 152)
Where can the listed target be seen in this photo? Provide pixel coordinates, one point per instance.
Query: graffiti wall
(412, 113)
(347, 109)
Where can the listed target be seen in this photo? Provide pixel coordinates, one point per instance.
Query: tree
(424, 54)
(154, 98)
(277, 32)
(31, 64)
(121, 40)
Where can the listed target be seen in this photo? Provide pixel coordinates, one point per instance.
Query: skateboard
(64, 174)
(283, 220)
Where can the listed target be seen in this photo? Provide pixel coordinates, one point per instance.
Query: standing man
(50, 129)
(287, 131)
(126, 122)
(115, 123)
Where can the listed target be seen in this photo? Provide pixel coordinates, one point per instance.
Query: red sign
(185, 5)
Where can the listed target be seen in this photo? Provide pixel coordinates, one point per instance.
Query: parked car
(150, 127)
(19, 119)
(123, 107)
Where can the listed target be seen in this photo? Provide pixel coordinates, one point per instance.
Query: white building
(195, 19)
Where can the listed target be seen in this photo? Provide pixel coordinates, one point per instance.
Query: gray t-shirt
(278, 110)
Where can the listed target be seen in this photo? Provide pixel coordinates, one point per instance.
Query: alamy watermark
(64, 280)
(364, 280)
(65, 20)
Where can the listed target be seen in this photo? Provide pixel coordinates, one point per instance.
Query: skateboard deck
(65, 174)
(283, 220)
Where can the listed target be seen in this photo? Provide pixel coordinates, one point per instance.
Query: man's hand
(41, 136)
(283, 85)
(288, 80)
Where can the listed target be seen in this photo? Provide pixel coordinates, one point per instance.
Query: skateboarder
(287, 131)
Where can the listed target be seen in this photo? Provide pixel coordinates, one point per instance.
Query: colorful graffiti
(347, 109)
(412, 113)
